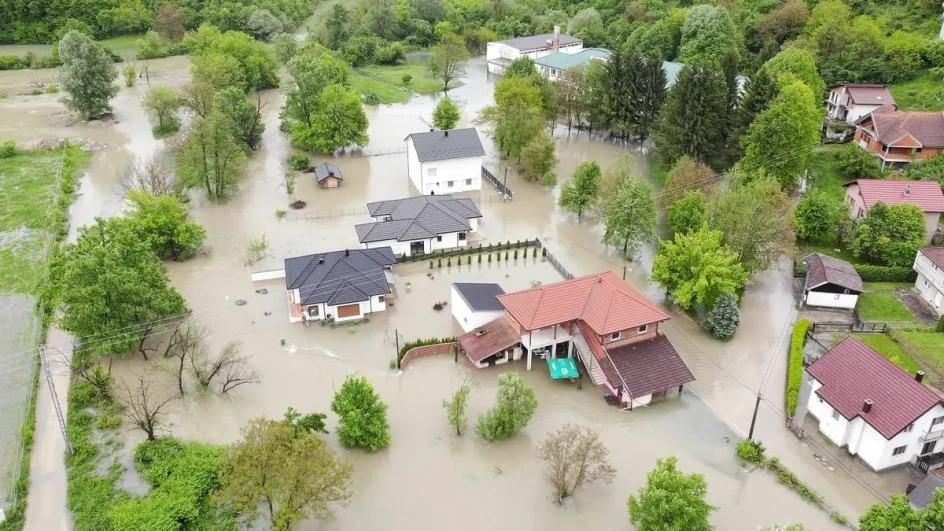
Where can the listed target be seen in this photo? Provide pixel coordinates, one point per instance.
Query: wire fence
(379, 152)
(490, 177)
(557, 265)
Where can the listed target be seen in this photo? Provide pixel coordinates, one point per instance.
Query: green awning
(562, 368)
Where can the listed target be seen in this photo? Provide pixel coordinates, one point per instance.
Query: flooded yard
(473, 484)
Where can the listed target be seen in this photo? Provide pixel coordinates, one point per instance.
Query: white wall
(929, 292)
(467, 318)
(449, 241)
(831, 300)
(855, 200)
(413, 164)
(835, 430)
(375, 304)
(397, 247)
(465, 175)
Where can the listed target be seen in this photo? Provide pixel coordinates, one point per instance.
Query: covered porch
(548, 343)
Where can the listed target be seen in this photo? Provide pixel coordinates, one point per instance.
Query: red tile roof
(892, 125)
(870, 94)
(935, 255)
(498, 335)
(647, 367)
(851, 372)
(926, 195)
(606, 302)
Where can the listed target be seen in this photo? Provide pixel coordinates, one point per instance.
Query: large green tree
(690, 121)
(362, 415)
(688, 175)
(312, 69)
(337, 121)
(759, 91)
(696, 268)
(513, 409)
(258, 65)
(707, 36)
(801, 64)
(212, 157)
(539, 156)
(517, 116)
(671, 500)
(447, 61)
(580, 192)
(87, 75)
(161, 104)
(164, 222)
(245, 115)
(446, 114)
(110, 287)
(687, 214)
(813, 214)
(890, 234)
(631, 217)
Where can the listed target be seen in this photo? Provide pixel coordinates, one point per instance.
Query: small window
(820, 399)
(450, 183)
(937, 421)
(614, 336)
(928, 448)
(461, 236)
(468, 182)
(431, 172)
(917, 151)
(836, 296)
(898, 451)
(312, 311)
(643, 329)
(927, 284)
(835, 414)
(381, 298)
(909, 428)
(438, 238)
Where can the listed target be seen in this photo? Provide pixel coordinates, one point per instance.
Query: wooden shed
(328, 175)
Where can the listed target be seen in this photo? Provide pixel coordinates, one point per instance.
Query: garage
(349, 310)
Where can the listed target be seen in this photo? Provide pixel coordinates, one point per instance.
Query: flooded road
(499, 485)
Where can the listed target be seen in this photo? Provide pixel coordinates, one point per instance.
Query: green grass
(422, 82)
(926, 345)
(886, 286)
(925, 93)
(890, 350)
(828, 250)
(826, 176)
(883, 307)
(387, 93)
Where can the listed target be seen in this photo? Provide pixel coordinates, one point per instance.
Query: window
(614, 336)
(928, 447)
(898, 451)
(917, 151)
(468, 182)
(381, 298)
(450, 183)
(313, 311)
(835, 414)
(438, 238)
(926, 283)
(909, 428)
(461, 236)
(937, 421)
(643, 329)
(820, 399)
(431, 172)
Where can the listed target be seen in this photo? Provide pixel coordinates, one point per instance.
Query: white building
(830, 283)
(849, 102)
(445, 162)
(339, 285)
(419, 225)
(500, 54)
(874, 409)
(474, 305)
(929, 264)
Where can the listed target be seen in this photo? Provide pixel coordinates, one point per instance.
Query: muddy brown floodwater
(428, 478)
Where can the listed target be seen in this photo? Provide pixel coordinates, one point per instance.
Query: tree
(293, 474)
(707, 35)
(218, 71)
(521, 67)
(572, 95)
(184, 340)
(336, 26)
(687, 214)
(87, 75)
(165, 224)
(161, 104)
(759, 91)
(211, 156)
(687, 175)
(310, 423)
(696, 268)
(245, 115)
(285, 46)
(581, 191)
(724, 317)
(257, 63)
(144, 406)
(168, 22)
(573, 457)
(517, 116)
(456, 406)
(756, 220)
(262, 24)
(431, 11)
(812, 216)
(109, 284)
(312, 70)
(688, 123)
(512, 411)
(446, 114)
(198, 97)
(337, 121)
(229, 367)
(801, 64)
(631, 217)
(612, 180)
(649, 95)
(539, 156)
(890, 234)
(671, 500)
(447, 61)
(784, 23)
(895, 516)
(149, 174)
(856, 163)
(362, 416)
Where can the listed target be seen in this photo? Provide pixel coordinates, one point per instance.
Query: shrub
(391, 54)
(407, 78)
(795, 363)
(298, 162)
(724, 318)
(506, 256)
(534, 252)
(430, 264)
(515, 256)
(370, 98)
(362, 415)
(490, 258)
(877, 273)
(513, 409)
(752, 451)
(543, 252)
(940, 324)
(439, 263)
(480, 261)
(448, 262)
(8, 149)
(52, 88)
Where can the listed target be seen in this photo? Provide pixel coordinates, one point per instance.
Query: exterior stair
(588, 359)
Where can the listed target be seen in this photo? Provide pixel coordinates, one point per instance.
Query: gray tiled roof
(480, 297)
(922, 495)
(325, 170)
(339, 277)
(444, 145)
(417, 218)
(539, 42)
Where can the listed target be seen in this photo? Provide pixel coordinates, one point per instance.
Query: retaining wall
(428, 350)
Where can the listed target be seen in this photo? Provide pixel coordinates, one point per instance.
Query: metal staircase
(588, 359)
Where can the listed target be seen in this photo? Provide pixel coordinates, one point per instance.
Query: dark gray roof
(444, 145)
(325, 170)
(539, 42)
(922, 495)
(480, 297)
(417, 218)
(339, 277)
(822, 269)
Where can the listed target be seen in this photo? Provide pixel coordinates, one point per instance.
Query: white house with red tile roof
(606, 323)
(863, 194)
(929, 264)
(875, 410)
(849, 102)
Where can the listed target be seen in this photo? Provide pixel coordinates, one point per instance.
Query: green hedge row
(877, 273)
(795, 363)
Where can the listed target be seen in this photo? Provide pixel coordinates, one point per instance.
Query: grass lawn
(926, 345)
(886, 286)
(882, 307)
(890, 350)
(386, 93)
(27, 188)
(828, 250)
(826, 176)
(422, 82)
(925, 93)
(122, 42)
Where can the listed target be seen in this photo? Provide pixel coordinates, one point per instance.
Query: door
(416, 248)
(937, 299)
(349, 310)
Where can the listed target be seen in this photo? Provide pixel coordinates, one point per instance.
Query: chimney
(867, 406)
(555, 40)
(320, 260)
(919, 376)
(447, 133)
(347, 252)
(431, 129)
(907, 190)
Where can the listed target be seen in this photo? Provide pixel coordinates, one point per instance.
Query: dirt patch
(915, 305)
(86, 144)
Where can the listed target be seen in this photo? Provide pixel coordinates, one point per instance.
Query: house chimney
(907, 190)
(347, 252)
(555, 40)
(867, 406)
(320, 260)
(919, 376)
(431, 129)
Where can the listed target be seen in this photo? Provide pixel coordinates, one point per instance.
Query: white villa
(500, 54)
(419, 225)
(445, 162)
(929, 264)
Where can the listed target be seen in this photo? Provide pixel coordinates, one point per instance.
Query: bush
(363, 416)
(877, 273)
(724, 318)
(298, 162)
(855, 163)
(391, 54)
(752, 451)
(8, 149)
(407, 78)
(12, 62)
(513, 409)
(370, 98)
(795, 363)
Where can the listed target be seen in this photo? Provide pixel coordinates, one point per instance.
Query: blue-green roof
(563, 61)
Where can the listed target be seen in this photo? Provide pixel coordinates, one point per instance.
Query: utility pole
(624, 272)
(396, 339)
(55, 398)
(750, 433)
(505, 185)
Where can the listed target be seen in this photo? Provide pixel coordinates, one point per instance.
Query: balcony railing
(933, 435)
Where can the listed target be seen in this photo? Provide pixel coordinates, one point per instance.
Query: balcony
(933, 435)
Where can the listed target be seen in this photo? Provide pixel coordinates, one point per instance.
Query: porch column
(529, 350)
(570, 348)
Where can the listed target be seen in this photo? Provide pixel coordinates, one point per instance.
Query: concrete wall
(467, 318)
(413, 164)
(428, 350)
(831, 300)
(464, 174)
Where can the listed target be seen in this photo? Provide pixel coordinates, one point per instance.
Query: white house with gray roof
(500, 54)
(419, 225)
(339, 285)
(445, 162)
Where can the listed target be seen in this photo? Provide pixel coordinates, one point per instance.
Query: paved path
(46, 502)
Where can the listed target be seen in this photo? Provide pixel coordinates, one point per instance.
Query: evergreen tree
(759, 91)
(724, 318)
(650, 95)
(617, 95)
(691, 121)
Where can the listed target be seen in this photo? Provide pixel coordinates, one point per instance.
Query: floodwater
(498, 485)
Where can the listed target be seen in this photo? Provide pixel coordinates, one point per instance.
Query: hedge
(876, 273)
(410, 345)
(795, 363)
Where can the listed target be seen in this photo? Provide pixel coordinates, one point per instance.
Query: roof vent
(919, 376)
(907, 190)
(446, 133)
(431, 129)
(320, 260)
(347, 252)
(480, 331)
(867, 406)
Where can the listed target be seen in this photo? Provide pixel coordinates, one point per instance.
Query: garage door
(350, 310)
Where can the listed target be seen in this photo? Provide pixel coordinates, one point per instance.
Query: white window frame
(643, 329)
(615, 336)
(835, 414)
(462, 236)
(313, 307)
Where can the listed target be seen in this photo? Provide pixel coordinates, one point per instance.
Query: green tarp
(562, 368)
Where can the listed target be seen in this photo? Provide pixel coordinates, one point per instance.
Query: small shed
(830, 283)
(328, 175)
(922, 494)
(474, 305)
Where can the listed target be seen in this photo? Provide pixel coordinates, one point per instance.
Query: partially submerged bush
(8, 149)
(752, 451)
